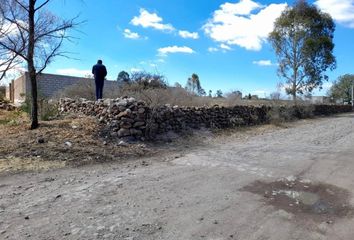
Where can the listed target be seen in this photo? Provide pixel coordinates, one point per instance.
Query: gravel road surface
(279, 184)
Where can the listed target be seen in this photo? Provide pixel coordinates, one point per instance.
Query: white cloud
(186, 34)
(264, 63)
(213, 49)
(341, 10)
(238, 24)
(11, 74)
(151, 20)
(244, 7)
(131, 35)
(327, 86)
(74, 72)
(11, 29)
(225, 47)
(132, 70)
(174, 49)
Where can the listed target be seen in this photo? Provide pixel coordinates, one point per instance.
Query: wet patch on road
(318, 201)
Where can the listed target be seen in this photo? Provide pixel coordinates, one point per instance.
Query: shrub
(279, 114)
(47, 109)
(148, 80)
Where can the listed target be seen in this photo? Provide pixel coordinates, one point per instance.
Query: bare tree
(275, 96)
(31, 36)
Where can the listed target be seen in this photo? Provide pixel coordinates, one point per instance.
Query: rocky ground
(291, 182)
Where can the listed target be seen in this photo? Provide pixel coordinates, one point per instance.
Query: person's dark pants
(99, 88)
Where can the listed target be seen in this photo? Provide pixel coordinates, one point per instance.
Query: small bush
(47, 109)
(148, 80)
(278, 114)
(11, 118)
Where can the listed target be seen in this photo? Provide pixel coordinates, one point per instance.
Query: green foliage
(12, 118)
(219, 94)
(26, 106)
(342, 88)
(193, 85)
(148, 80)
(123, 77)
(48, 110)
(303, 41)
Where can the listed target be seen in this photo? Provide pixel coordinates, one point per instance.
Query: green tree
(32, 36)
(342, 88)
(210, 93)
(193, 85)
(177, 85)
(148, 80)
(219, 93)
(123, 77)
(303, 42)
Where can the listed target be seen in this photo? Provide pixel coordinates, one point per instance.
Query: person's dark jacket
(99, 71)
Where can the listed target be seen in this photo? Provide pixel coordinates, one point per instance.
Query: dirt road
(284, 183)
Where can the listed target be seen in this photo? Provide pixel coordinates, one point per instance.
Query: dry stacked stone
(124, 116)
(128, 117)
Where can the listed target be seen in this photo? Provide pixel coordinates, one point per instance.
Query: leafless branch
(42, 5)
(22, 6)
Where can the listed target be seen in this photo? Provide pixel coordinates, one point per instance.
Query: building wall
(19, 89)
(320, 99)
(48, 85)
(7, 94)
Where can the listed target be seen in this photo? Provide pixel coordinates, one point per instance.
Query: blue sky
(224, 42)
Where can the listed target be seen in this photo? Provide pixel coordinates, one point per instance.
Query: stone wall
(129, 117)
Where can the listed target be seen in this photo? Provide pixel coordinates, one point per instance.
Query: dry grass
(20, 146)
(161, 96)
(15, 164)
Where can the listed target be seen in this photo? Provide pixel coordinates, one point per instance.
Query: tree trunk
(294, 93)
(30, 64)
(34, 102)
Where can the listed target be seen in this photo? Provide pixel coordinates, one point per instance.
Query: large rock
(139, 124)
(136, 132)
(122, 102)
(123, 132)
(125, 125)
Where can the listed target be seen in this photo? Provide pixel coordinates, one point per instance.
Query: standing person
(100, 72)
